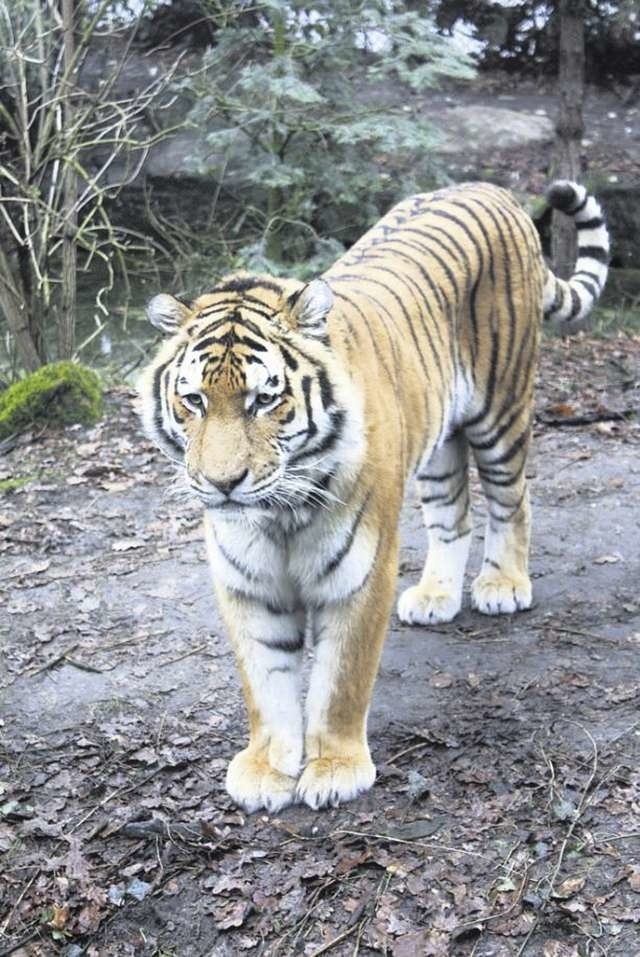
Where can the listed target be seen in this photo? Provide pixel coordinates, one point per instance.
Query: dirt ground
(505, 817)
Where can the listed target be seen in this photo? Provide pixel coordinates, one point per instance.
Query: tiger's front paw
(495, 594)
(427, 606)
(253, 783)
(332, 780)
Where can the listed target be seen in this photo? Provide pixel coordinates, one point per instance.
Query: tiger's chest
(321, 563)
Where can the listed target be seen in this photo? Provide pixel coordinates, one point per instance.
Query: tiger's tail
(567, 301)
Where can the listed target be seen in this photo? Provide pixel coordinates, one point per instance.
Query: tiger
(297, 413)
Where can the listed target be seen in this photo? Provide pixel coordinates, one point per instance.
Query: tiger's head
(243, 394)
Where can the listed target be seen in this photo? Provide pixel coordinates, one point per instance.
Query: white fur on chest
(320, 564)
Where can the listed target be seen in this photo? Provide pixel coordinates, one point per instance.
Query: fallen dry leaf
(607, 560)
(60, 917)
(569, 887)
(633, 879)
(556, 948)
(562, 409)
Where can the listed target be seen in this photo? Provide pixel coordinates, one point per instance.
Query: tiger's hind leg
(444, 492)
(503, 585)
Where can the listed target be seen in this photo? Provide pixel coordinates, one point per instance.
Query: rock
(486, 128)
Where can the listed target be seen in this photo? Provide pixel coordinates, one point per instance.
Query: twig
(587, 419)
(82, 666)
(11, 949)
(428, 845)
(17, 903)
(119, 793)
(187, 654)
(582, 805)
(52, 662)
(336, 940)
(573, 631)
(413, 747)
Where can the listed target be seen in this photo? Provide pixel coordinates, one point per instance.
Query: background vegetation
(294, 126)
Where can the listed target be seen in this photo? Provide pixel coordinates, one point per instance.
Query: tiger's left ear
(308, 308)
(166, 313)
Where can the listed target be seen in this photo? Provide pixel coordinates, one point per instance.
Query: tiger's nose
(228, 486)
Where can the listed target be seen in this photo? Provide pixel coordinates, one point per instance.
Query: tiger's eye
(194, 399)
(264, 399)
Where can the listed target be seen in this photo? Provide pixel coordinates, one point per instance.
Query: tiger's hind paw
(432, 606)
(253, 783)
(496, 594)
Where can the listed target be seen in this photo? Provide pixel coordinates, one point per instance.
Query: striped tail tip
(567, 302)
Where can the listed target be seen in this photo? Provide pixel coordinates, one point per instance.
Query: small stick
(118, 793)
(52, 662)
(413, 747)
(575, 631)
(82, 666)
(20, 943)
(336, 940)
(187, 654)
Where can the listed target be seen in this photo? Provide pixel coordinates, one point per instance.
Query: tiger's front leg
(348, 642)
(268, 646)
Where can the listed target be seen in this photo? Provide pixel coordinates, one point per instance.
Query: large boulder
(484, 128)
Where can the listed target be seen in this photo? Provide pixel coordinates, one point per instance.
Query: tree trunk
(67, 317)
(569, 126)
(13, 303)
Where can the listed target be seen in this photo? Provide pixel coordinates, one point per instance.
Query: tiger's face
(240, 394)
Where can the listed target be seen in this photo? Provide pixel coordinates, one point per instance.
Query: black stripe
(283, 644)
(358, 588)
(594, 223)
(247, 596)
(425, 234)
(341, 554)
(347, 277)
(244, 283)
(590, 275)
(591, 287)
(337, 423)
(289, 360)
(507, 280)
(252, 343)
(446, 499)
(233, 561)
(500, 477)
(158, 394)
(312, 428)
(326, 392)
(576, 304)
(578, 209)
(509, 452)
(518, 376)
(491, 382)
(593, 252)
(236, 319)
(372, 338)
(413, 285)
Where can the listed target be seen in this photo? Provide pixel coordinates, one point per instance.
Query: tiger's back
(448, 290)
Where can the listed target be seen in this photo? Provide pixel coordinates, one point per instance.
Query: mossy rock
(59, 394)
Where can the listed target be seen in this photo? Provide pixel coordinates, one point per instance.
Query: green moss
(13, 484)
(60, 393)
(609, 321)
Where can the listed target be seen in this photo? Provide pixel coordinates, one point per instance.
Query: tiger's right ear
(166, 313)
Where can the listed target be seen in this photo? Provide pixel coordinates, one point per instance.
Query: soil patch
(504, 820)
